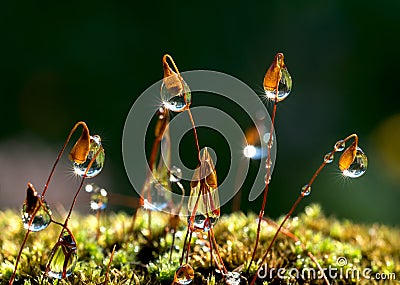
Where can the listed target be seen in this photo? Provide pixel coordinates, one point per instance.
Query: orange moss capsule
(277, 80)
(175, 93)
(347, 157)
(80, 150)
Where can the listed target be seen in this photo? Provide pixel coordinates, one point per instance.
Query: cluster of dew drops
(64, 257)
(356, 169)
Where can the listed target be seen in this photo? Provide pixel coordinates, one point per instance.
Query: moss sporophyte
(153, 247)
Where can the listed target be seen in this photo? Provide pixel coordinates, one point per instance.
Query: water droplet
(267, 181)
(156, 192)
(204, 195)
(176, 99)
(98, 163)
(359, 165)
(155, 196)
(31, 205)
(204, 223)
(305, 190)
(232, 278)
(184, 275)
(63, 257)
(328, 158)
(175, 174)
(98, 199)
(340, 145)
(277, 71)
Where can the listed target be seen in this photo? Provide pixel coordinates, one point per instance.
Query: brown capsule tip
(80, 150)
(273, 75)
(347, 157)
(31, 200)
(172, 80)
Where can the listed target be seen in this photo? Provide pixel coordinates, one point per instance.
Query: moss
(139, 259)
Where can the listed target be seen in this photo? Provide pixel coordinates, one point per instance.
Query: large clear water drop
(156, 196)
(176, 99)
(63, 257)
(37, 209)
(98, 163)
(284, 87)
(359, 165)
(184, 275)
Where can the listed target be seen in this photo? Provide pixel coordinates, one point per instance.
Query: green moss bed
(140, 258)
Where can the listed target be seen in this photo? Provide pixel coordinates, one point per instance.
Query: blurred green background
(89, 60)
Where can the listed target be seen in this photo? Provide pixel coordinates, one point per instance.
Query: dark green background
(89, 60)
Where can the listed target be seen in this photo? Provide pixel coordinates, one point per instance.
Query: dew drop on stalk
(277, 75)
(359, 165)
(305, 190)
(98, 163)
(63, 257)
(340, 145)
(176, 99)
(268, 164)
(267, 181)
(328, 158)
(175, 93)
(31, 205)
(184, 275)
(155, 196)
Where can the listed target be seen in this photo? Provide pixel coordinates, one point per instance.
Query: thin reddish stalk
(152, 159)
(65, 225)
(267, 178)
(109, 265)
(60, 154)
(42, 196)
(195, 135)
(218, 254)
(302, 194)
(189, 230)
(292, 236)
